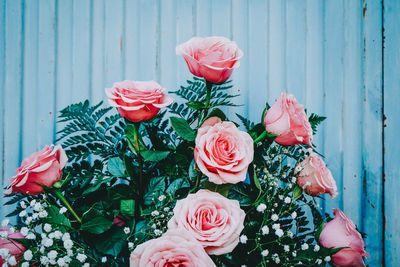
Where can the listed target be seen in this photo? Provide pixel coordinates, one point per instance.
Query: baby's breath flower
(261, 208)
(63, 210)
(264, 253)
(81, 257)
(286, 248)
(130, 245)
(279, 232)
(22, 213)
(5, 222)
(288, 200)
(47, 227)
(265, 230)
(327, 258)
(294, 215)
(274, 217)
(127, 230)
(155, 213)
(243, 239)
(28, 255)
(316, 248)
(304, 246)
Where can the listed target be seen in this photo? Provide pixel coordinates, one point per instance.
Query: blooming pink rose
(341, 232)
(223, 152)
(174, 248)
(43, 167)
(212, 58)
(136, 100)
(288, 119)
(215, 221)
(15, 248)
(315, 178)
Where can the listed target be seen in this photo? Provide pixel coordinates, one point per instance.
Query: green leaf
(112, 242)
(150, 155)
(297, 193)
(175, 185)
(95, 186)
(120, 191)
(155, 188)
(319, 230)
(195, 105)
(216, 112)
(223, 189)
(193, 172)
(239, 193)
(116, 167)
(315, 120)
(127, 207)
(183, 129)
(97, 225)
(54, 217)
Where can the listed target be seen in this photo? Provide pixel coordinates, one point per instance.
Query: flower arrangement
(195, 188)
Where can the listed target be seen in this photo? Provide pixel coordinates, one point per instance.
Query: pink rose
(288, 119)
(215, 221)
(315, 178)
(136, 100)
(212, 58)
(174, 248)
(43, 167)
(223, 152)
(341, 232)
(15, 248)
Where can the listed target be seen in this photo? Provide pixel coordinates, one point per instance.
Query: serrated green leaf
(177, 184)
(97, 225)
(116, 167)
(216, 112)
(54, 217)
(195, 105)
(127, 207)
(150, 155)
(183, 129)
(297, 193)
(155, 188)
(95, 186)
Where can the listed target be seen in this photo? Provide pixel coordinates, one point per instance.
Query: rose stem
(261, 137)
(58, 194)
(209, 86)
(140, 161)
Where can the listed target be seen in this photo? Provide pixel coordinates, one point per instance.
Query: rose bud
(314, 177)
(212, 58)
(288, 119)
(214, 220)
(40, 168)
(341, 232)
(174, 248)
(136, 100)
(15, 249)
(223, 152)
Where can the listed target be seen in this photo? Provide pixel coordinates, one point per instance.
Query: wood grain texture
(328, 53)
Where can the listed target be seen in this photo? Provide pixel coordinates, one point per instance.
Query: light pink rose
(315, 178)
(43, 167)
(223, 152)
(288, 119)
(15, 248)
(215, 221)
(137, 100)
(341, 232)
(212, 58)
(174, 248)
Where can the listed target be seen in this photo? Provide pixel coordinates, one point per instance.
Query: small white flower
(243, 239)
(155, 213)
(298, 168)
(274, 217)
(25, 264)
(5, 222)
(63, 210)
(304, 246)
(38, 207)
(12, 230)
(294, 254)
(286, 248)
(318, 261)
(68, 244)
(57, 234)
(166, 209)
(42, 249)
(130, 245)
(28, 255)
(81, 257)
(127, 230)
(104, 259)
(294, 179)
(275, 205)
(52, 254)
(61, 262)
(4, 252)
(43, 214)
(70, 252)
(24, 231)
(327, 258)
(161, 198)
(277, 260)
(280, 197)
(31, 236)
(66, 236)
(158, 232)
(22, 213)
(23, 204)
(276, 226)
(279, 232)
(288, 200)
(86, 265)
(3, 234)
(47, 242)
(265, 230)
(262, 207)
(44, 260)
(67, 259)
(33, 202)
(294, 215)
(12, 261)
(35, 215)
(265, 253)
(47, 227)
(316, 248)
(290, 234)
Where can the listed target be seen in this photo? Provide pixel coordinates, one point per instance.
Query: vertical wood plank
(2, 96)
(132, 51)
(97, 83)
(372, 156)
(392, 127)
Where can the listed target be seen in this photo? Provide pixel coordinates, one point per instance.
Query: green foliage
(315, 120)
(182, 128)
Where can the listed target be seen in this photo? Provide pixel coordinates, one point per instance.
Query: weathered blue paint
(328, 53)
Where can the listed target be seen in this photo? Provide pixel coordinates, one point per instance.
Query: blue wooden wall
(341, 58)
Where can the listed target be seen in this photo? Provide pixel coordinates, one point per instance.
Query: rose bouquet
(138, 188)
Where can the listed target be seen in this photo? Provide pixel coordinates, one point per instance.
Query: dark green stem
(140, 161)
(209, 86)
(261, 137)
(60, 196)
